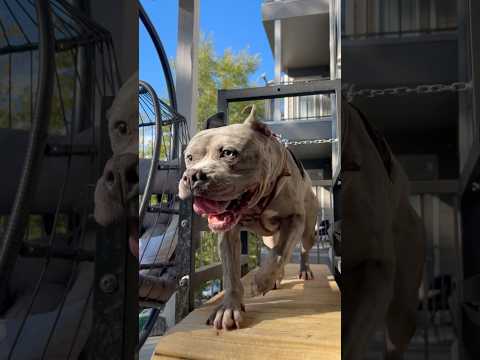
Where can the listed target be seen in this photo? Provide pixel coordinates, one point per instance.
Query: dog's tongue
(206, 206)
(219, 218)
(224, 221)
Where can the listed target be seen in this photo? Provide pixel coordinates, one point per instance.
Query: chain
(351, 93)
(287, 142)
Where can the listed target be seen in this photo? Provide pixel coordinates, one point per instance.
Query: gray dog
(242, 178)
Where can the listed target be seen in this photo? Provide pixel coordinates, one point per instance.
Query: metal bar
(244, 251)
(70, 150)
(115, 296)
(161, 54)
(421, 31)
(186, 64)
(157, 143)
(183, 256)
(471, 169)
(163, 210)
(30, 250)
(210, 272)
(205, 273)
(277, 91)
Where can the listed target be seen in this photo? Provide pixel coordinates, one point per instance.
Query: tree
(228, 71)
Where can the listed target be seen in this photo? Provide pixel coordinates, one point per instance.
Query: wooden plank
(301, 320)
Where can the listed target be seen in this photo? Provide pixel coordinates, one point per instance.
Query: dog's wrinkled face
(224, 169)
(116, 193)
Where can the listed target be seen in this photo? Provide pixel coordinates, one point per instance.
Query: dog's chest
(266, 223)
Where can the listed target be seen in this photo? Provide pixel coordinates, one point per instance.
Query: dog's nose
(194, 177)
(121, 175)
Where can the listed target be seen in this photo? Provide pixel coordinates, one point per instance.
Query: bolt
(475, 186)
(184, 281)
(108, 283)
(184, 223)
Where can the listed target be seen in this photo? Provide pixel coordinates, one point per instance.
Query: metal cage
(58, 66)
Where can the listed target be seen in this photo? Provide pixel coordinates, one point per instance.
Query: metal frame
(156, 148)
(115, 298)
(469, 190)
(161, 54)
(300, 88)
(471, 169)
(11, 243)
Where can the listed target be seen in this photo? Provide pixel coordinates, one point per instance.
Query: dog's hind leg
(308, 238)
(308, 241)
(273, 265)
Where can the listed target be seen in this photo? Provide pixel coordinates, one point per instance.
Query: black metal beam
(184, 256)
(300, 88)
(114, 332)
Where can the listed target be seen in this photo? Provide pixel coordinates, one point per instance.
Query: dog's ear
(254, 123)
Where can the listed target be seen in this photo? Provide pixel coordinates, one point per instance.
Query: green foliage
(145, 143)
(207, 252)
(228, 71)
(20, 97)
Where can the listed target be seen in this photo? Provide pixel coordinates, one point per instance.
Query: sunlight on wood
(301, 320)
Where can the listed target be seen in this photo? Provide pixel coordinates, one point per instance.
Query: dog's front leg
(228, 314)
(273, 265)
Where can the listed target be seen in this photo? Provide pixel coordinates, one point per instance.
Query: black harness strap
(299, 164)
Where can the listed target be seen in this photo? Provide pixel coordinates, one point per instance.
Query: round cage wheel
(145, 327)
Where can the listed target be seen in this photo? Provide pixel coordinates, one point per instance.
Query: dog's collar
(265, 201)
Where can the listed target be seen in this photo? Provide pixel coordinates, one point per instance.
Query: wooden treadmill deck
(301, 320)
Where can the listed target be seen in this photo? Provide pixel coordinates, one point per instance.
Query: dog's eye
(121, 127)
(189, 157)
(229, 153)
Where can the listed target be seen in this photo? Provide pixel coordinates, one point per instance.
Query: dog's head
(227, 169)
(116, 193)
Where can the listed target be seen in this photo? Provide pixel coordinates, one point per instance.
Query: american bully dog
(117, 190)
(382, 242)
(242, 177)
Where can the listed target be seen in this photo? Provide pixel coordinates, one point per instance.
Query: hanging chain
(287, 142)
(351, 93)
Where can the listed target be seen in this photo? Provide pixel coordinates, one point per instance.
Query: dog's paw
(264, 283)
(276, 285)
(228, 315)
(305, 274)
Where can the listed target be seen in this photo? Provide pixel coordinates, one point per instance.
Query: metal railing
(309, 107)
(394, 18)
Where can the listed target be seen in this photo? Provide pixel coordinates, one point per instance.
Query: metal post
(186, 63)
(244, 250)
(115, 298)
(184, 261)
(278, 66)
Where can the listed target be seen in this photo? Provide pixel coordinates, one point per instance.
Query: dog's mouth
(222, 215)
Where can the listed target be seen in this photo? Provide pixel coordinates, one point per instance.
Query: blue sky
(232, 24)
